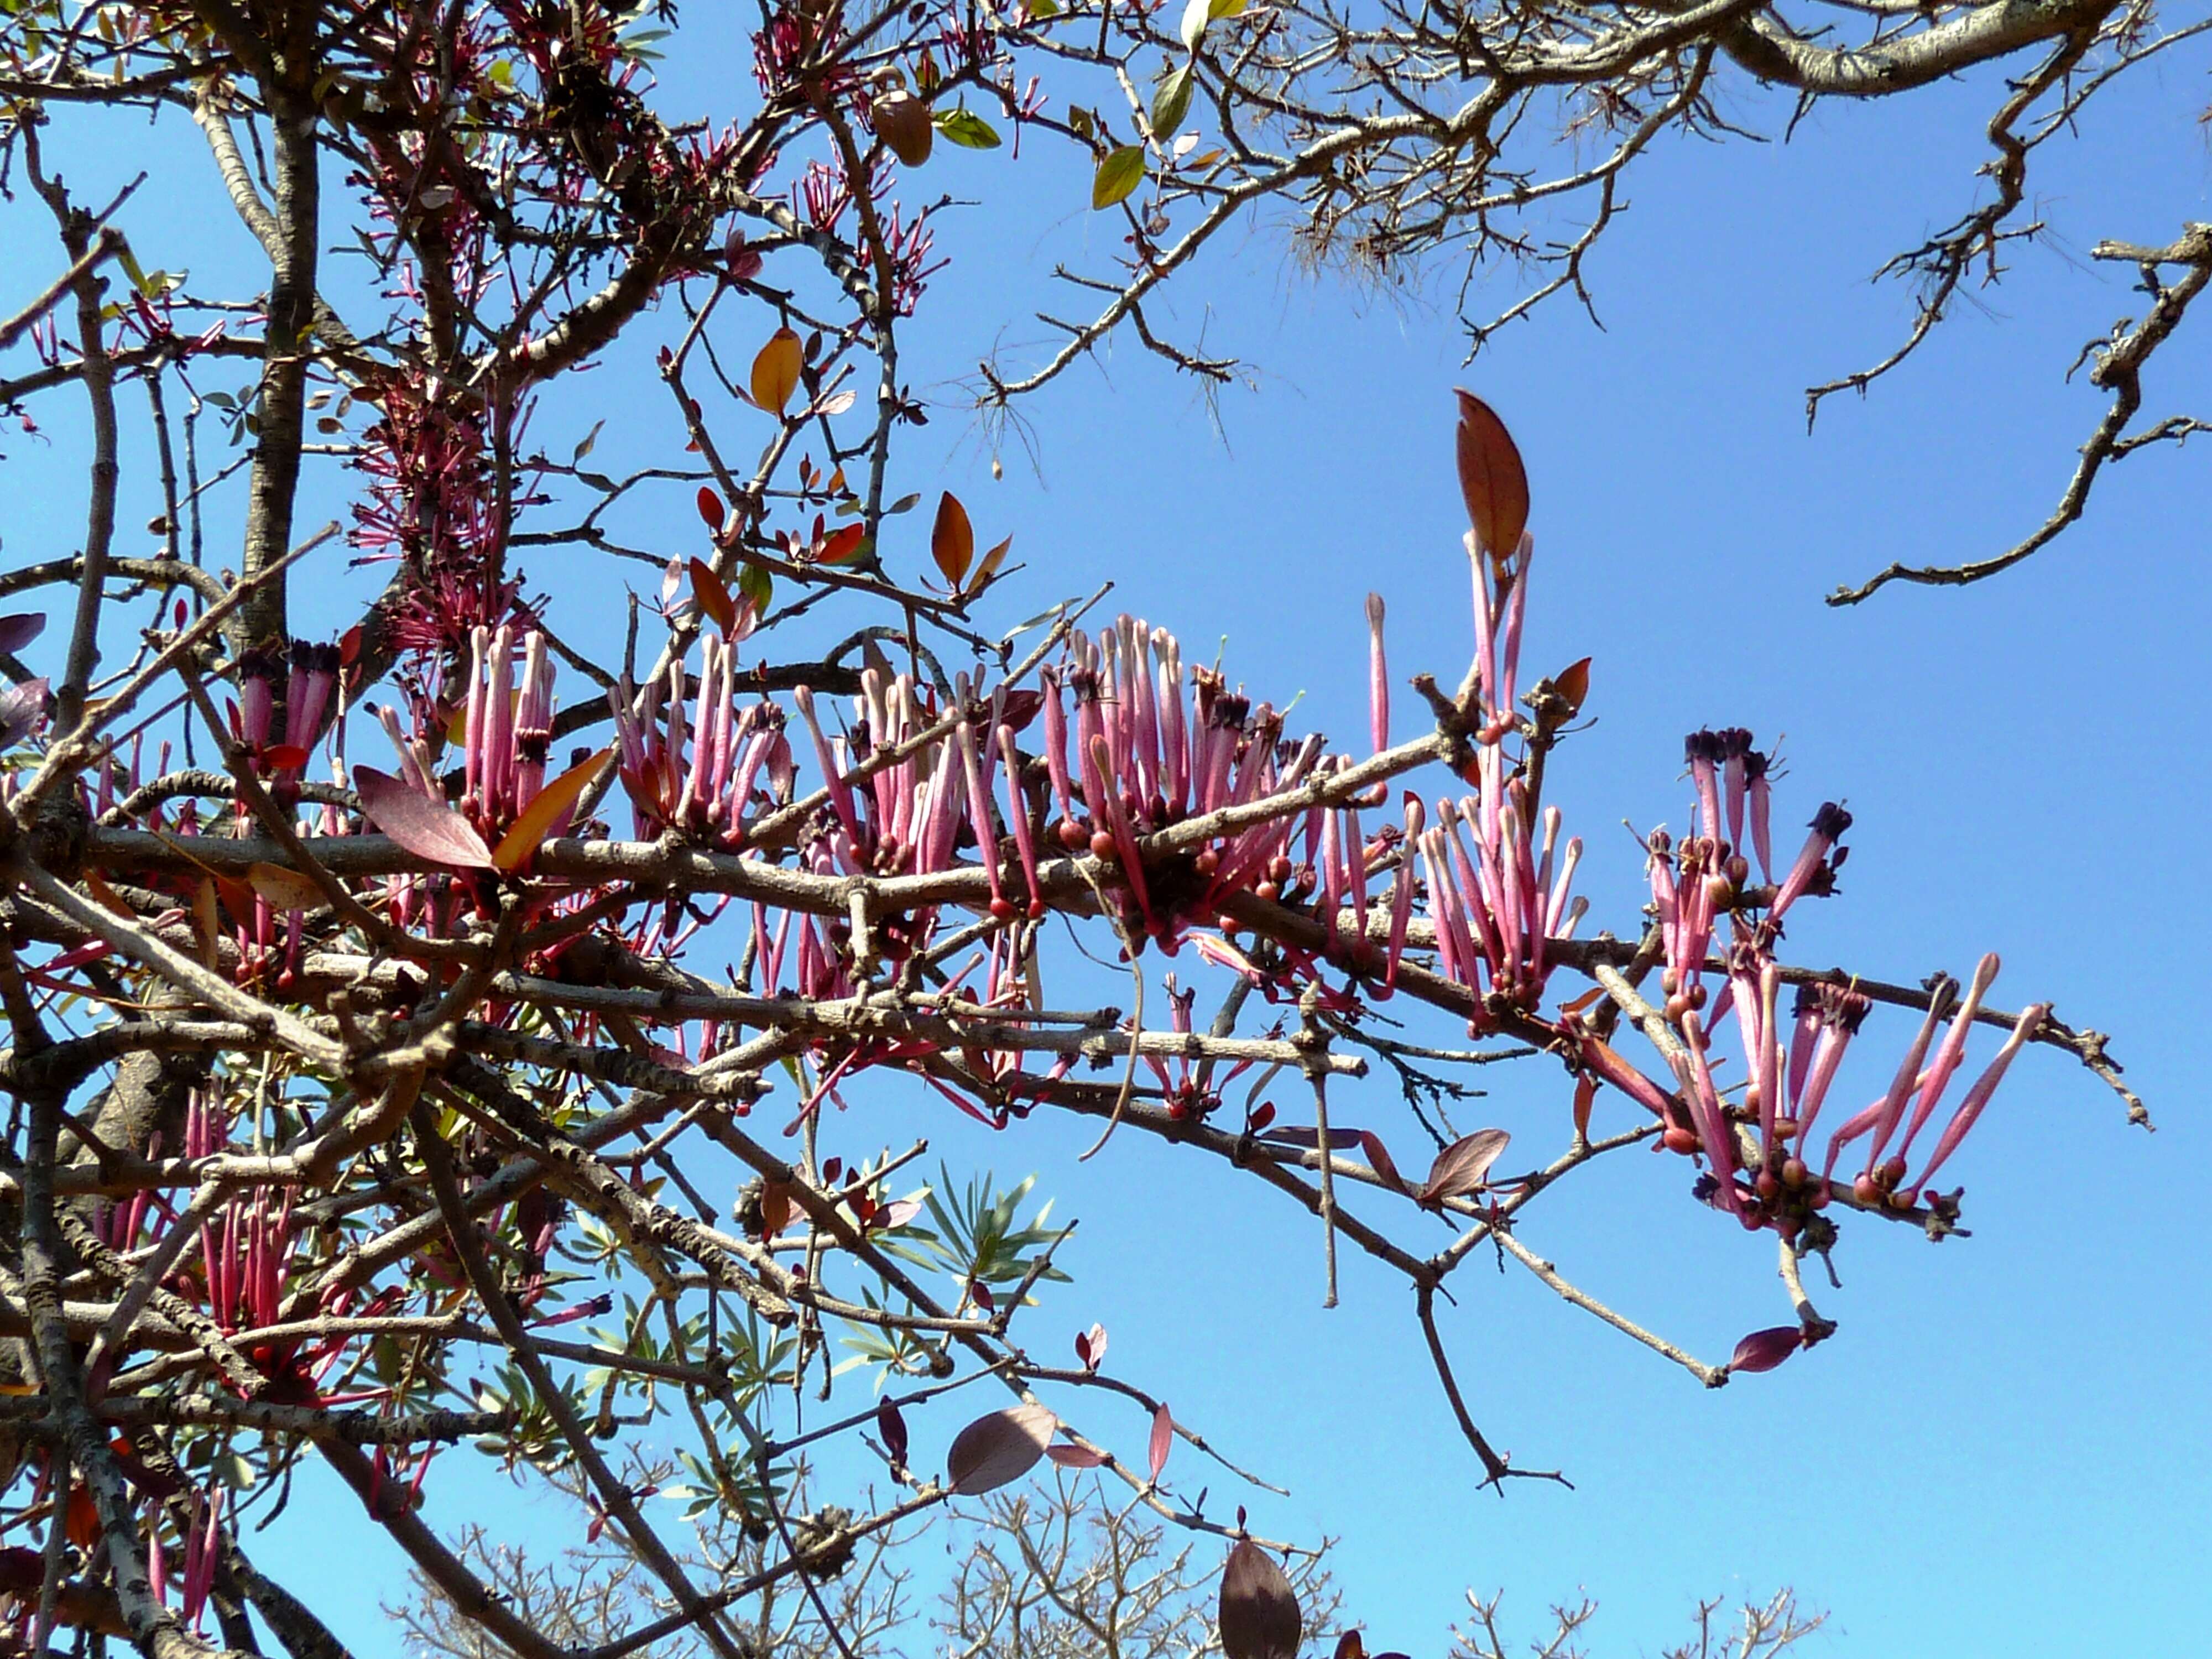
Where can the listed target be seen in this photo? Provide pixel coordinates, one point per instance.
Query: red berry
(1102, 844)
(1679, 1140)
(1071, 835)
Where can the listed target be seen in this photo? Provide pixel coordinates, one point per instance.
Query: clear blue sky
(2005, 1451)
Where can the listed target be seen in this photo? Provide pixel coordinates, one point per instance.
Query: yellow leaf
(953, 541)
(537, 820)
(775, 371)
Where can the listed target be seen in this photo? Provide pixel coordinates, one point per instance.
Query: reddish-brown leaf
(892, 1426)
(1259, 1613)
(1572, 683)
(841, 544)
(713, 596)
(1349, 1646)
(994, 1451)
(1162, 1441)
(953, 540)
(775, 1207)
(711, 508)
(1075, 1457)
(1762, 1350)
(418, 823)
(1461, 1167)
(1379, 1159)
(901, 121)
(1492, 479)
(1585, 1094)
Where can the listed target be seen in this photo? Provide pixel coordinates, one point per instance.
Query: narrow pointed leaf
(1461, 1167)
(892, 1426)
(1162, 1441)
(995, 1450)
(775, 371)
(533, 825)
(1379, 1159)
(1308, 1138)
(1076, 1457)
(1492, 479)
(1259, 1613)
(989, 567)
(418, 823)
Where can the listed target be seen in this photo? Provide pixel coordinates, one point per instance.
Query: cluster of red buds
(432, 504)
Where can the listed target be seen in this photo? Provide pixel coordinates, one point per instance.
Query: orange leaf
(1572, 683)
(1492, 479)
(82, 1520)
(1585, 1095)
(108, 897)
(713, 597)
(953, 540)
(991, 561)
(775, 371)
(534, 824)
(842, 544)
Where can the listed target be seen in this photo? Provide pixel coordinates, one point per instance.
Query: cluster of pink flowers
(1755, 1149)
(707, 791)
(307, 687)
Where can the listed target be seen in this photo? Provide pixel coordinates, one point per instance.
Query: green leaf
(1122, 172)
(1170, 103)
(963, 127)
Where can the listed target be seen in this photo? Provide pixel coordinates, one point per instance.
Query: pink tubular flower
(2031, 1019)
(1378, 678)
(1813, 871)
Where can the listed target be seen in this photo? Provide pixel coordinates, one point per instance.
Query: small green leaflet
(963, 126)
(1122, 172)
(1170, 103)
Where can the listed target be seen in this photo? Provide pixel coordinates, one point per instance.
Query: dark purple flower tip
(1762, 1350)
(1831, 820)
